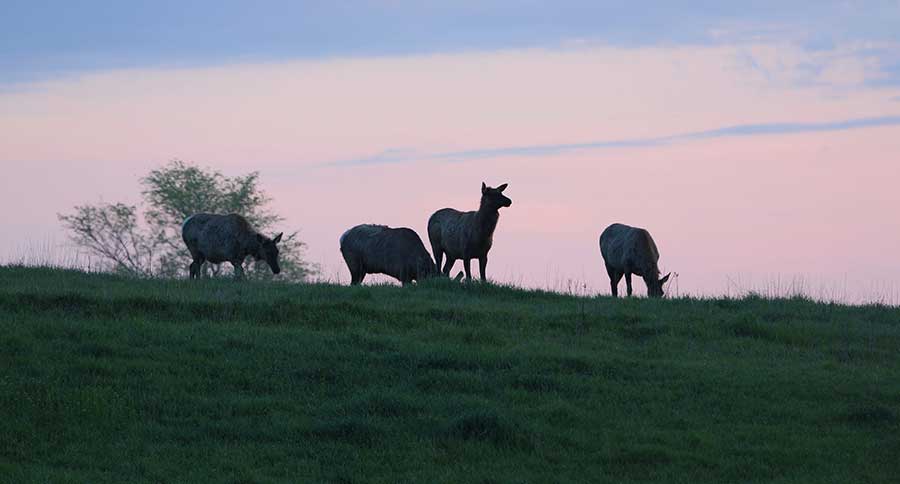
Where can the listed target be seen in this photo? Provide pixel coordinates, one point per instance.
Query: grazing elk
(630, 250)
(227, 238)
(379, 249)
(467, 235)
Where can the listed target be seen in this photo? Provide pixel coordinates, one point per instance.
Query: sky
(759, 144)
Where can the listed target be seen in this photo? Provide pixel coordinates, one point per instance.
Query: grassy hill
(104, 379)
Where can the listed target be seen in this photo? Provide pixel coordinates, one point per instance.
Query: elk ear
(664, 279)
(502, 187)
(483, 187)
(277, 238)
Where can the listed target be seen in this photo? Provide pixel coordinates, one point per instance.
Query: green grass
(104, 379)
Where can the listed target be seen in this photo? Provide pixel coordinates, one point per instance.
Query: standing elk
(467, 235)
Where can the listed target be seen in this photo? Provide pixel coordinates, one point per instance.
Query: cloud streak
(746, 130)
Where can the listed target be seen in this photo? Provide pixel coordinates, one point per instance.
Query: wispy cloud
(392, 155)
(793, 128)
(745, 130)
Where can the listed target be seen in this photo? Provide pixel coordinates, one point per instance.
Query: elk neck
(486, 218)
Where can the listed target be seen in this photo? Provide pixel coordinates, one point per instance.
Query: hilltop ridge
(108, 379)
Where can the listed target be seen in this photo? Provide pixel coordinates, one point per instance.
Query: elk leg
(238, 270)
(467, 265)
(196, 265)
(438, 256)
(356, 277)
(614, 278)
(356, 268)
(449, 265)
(628, 282)
(482, 266)
(614, 283)
(403, 277)
(197, 261)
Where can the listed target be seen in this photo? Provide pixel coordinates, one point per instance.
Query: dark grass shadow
(486, 426)
(348, 430)
(873, 415)
(384, 405)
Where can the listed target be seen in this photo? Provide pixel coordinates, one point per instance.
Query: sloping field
(104, 379)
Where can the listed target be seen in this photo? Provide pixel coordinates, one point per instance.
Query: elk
(467, 235)
(221, 238)
(379, 249)
(630, 250)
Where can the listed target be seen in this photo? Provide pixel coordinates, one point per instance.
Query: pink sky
(817, 206)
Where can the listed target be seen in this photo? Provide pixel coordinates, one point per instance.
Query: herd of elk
(400, 253)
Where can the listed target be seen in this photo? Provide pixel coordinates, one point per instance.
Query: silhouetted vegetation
(148, 243)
